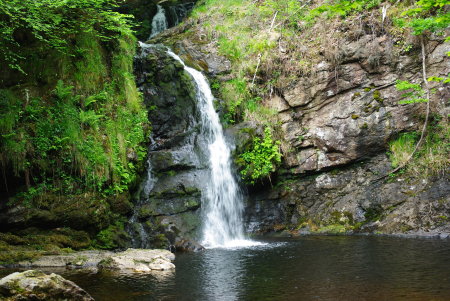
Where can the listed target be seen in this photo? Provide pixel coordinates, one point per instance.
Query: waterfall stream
(159, 22)
(222, 201)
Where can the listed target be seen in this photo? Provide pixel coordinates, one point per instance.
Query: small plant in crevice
(431, 158)
(401, 148)
(261, 159)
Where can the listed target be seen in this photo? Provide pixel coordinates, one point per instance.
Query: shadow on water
(308, 268)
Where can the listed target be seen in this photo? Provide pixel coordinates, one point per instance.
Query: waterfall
(223, 204)
(159, 22)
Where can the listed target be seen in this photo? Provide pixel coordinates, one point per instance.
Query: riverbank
(131, 260)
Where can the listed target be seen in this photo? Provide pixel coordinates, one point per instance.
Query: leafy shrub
(428, 15)
(262, 158)
(56, 22)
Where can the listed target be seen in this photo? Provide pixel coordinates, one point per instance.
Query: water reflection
(312, 268)
(222, 278)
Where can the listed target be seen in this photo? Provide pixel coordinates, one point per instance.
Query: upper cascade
(223, 204)
(159, 22)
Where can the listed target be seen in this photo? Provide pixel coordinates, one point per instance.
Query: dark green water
(310, 268)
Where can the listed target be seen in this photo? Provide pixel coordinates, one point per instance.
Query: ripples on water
(310, 268)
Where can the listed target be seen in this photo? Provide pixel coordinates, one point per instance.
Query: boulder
(139, 260)
(36, 285)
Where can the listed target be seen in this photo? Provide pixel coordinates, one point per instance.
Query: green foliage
(87, 136)
(261, 160)
(235, 91)
(444, 80)
(289, 10)
(428, 15)
(341, 8)
(56, 22)
(401, 148)
(414, 92)
(432, 157)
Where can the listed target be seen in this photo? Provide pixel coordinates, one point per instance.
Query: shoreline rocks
(131, 260)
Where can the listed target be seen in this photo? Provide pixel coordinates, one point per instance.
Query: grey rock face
(172, 207)
(346, 114)
(355, 200)
(36, 285)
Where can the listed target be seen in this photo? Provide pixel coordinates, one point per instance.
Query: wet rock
(36, 285)
(139, 260)
(170, 211)
(81, 212)
(185, 245)
(169, 206)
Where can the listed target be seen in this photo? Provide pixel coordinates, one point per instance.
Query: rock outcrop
(342, 120)
(335, 126)
(36, 285)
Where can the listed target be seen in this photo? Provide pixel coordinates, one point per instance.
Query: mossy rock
(113, 237)
(332, 229)
(169, 206)
(121, 204)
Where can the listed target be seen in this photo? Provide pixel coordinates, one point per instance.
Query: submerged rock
(36, 285)
(139, 260)
(186, 245)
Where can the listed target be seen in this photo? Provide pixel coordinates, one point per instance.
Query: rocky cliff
(336, 123)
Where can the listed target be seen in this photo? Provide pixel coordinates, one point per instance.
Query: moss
(160, 241)
(146, 212)
(405, 228)
(354, 116)
(377, 96)
(373, 214)
(356, 95)
(107, 263)
(32, 243)
(364, 126)
(11, 256)
(333, 229)
(113, 237)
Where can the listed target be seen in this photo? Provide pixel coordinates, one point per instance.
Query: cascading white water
(159, 22)
(223, 202)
